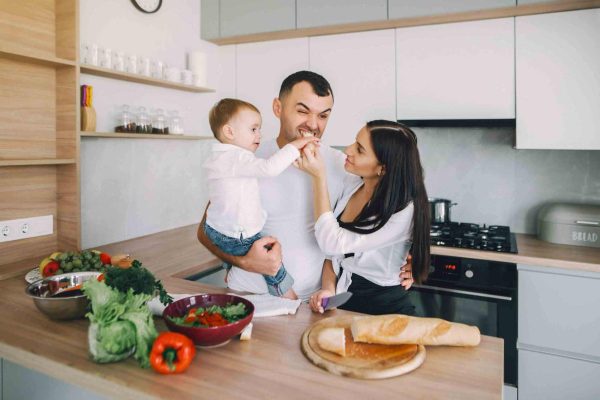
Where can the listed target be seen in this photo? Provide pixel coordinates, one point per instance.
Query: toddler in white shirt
(235, 217)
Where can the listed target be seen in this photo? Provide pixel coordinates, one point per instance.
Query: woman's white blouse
(378, 256)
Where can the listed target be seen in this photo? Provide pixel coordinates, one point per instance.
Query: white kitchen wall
(134, 187)
(131, 188)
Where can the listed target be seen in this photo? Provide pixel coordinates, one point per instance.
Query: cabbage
(121, 324)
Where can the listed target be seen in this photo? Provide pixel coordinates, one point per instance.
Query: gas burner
(472, 236)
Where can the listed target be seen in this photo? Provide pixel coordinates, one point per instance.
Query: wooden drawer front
(543, 376)
(560, 312)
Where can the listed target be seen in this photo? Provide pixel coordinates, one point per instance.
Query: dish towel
(265, 305)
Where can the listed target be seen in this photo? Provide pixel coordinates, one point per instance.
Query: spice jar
(175, 123)
(126, 121)
(159, 123)
(143, 121)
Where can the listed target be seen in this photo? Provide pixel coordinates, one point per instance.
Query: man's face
(302, 112)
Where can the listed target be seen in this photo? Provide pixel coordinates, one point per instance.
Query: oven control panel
(457, 271)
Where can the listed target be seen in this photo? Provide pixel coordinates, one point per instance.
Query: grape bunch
(87, 260)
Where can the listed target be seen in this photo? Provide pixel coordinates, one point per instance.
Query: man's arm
(264, 256)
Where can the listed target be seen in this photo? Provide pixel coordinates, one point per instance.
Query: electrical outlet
(26, 228)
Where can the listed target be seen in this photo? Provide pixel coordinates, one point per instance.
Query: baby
(235, 217)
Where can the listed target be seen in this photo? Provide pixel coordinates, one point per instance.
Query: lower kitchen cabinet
(549, 377)
(558, 341)
(20, 383)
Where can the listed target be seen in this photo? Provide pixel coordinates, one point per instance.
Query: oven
(474, 292)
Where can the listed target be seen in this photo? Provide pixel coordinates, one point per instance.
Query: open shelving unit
(39, 117)
(117, 135)
(125, 76)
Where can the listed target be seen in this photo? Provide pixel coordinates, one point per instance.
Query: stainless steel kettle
(440, 210)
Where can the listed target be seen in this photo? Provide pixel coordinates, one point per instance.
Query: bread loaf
(402, 329)
(333, 339)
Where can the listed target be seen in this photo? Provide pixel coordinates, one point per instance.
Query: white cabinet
(559, 345)
(456, 71)
(548, 377)
(558, 80)
(260, 69)
(360, 69)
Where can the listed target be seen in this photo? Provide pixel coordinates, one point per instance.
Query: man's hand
(264, 256)
(406, 278)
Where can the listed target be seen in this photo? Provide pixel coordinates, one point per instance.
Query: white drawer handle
(593, 223)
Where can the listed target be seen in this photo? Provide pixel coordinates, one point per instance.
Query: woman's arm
(315, 166)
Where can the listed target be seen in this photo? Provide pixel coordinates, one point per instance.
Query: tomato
(105, 258)
(50, 269)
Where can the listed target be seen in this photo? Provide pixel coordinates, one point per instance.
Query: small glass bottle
(143, 121)
(159, 122)
(175, 122)
(126, 122)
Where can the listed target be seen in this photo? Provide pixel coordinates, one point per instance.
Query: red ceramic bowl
(207, 336)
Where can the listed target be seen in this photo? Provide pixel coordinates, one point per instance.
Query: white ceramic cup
(132, 64)
(118, 61)
(91, 56)
(144, 66)
(158, 69)
(106, 58)
(186, 77)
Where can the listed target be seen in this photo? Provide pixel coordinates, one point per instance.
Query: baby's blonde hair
(222, 112)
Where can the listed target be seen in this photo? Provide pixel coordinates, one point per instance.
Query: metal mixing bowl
(57, 296)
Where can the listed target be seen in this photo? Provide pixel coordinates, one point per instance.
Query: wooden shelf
(504, 12)
(37, 161)
(115, 135)
(36, 59)
(124, 76)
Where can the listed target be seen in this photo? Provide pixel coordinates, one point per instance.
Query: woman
(375, 224)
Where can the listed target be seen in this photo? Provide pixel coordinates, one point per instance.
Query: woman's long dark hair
(395, 147)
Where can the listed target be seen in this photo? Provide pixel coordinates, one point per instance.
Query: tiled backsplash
(493, 183)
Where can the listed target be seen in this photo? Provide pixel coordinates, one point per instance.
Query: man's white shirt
(288, 202)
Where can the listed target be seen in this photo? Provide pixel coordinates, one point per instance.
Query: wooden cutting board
(362, 360)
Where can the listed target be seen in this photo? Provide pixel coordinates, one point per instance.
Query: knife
(335, 301)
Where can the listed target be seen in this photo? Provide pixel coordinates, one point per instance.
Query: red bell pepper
(172, 353)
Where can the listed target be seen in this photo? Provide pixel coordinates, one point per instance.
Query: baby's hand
(303, 141)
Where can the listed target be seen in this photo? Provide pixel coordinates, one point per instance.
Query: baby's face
(246, 129)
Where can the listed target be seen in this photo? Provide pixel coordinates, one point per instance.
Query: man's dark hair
(319, 85)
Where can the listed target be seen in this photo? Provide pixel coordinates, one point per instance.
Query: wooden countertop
(271, 362)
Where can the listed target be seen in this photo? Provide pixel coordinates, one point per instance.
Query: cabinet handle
(593, 223)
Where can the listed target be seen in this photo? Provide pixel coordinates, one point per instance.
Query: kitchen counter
(271, 362)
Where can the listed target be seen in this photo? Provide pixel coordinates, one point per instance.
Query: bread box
(574, 224)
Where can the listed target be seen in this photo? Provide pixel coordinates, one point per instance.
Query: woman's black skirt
(370, 298)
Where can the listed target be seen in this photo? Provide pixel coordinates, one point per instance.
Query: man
(303, 107)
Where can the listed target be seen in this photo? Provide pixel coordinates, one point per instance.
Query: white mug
(119, 61)
(91, 54)
(186, 76)
(157, 69)
(144, 66)
(132, 64)
(106, 58)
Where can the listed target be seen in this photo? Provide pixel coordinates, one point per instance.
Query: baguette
(333, 340)
(402, 329)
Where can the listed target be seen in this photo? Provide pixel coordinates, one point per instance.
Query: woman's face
(361, 159)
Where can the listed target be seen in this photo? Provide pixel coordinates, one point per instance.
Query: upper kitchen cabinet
(311, 13)
(360, 69)
(260, 69)
(456, 71)
(209, 19)
(557, 64)
(411, 8)
(243, 17)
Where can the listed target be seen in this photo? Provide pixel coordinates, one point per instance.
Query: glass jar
(175, 123)
(143, 121)
(125, 121)
(159, 122)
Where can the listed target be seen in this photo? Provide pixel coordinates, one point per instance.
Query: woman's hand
(310, 162)
(406, 278)
(316, 299)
